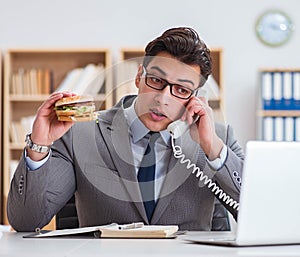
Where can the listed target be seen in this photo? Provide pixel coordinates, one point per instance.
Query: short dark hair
(185, 45)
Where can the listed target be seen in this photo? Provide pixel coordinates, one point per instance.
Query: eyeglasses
(158, 83)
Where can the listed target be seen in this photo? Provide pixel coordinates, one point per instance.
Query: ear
(138, 76)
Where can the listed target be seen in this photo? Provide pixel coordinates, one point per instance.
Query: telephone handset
(176, 129)
(179, 127)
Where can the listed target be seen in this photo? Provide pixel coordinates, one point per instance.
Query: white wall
(114, 24)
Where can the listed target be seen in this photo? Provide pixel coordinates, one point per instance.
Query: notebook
(113, 230)
(269, 208)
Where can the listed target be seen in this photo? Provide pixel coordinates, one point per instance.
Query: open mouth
(156, 115)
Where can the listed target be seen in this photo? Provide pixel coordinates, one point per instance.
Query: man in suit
(100, 161)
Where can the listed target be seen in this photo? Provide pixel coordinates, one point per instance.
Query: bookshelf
(278, 114)
(55, 65)
(135, 55)
(126, 70)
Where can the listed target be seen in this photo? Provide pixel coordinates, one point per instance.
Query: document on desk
(114, 230)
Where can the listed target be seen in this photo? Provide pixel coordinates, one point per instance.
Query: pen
(131, 225)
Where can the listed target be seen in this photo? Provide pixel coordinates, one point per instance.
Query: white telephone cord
(177, 151)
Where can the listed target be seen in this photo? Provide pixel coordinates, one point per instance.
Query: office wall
(115, 24)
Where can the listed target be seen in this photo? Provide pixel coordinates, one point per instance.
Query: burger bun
(76, 109)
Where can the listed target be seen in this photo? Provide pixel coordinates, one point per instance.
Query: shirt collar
(137, 129)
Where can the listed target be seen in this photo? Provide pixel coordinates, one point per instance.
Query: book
(31, 82)
(211, 89)
(84, 81)
(289, 128)
(277, 90)
(266, 90)
(125, 78)
(268, 129)
(114, 230)
(297, 129)
(296, 91)
(278, 128)
(70, 80)
(287, 91)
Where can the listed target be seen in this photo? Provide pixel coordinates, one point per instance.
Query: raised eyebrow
(158, 69)
(186, 81)
(164, 73)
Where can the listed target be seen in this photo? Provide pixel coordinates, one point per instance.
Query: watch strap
(35, 147)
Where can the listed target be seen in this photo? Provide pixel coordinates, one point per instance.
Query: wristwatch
(34, 147)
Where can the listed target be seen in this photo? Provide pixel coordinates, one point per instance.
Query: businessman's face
(165, 87)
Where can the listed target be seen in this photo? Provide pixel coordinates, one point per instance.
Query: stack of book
(31, 82)
(125, 78)
(18, 129)
(84, 81)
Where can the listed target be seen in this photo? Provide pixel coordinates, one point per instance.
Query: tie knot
(153, 137)
(150, 152)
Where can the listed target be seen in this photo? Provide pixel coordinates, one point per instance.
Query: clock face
(274, 28)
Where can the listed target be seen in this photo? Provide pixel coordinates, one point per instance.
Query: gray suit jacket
(95, 161)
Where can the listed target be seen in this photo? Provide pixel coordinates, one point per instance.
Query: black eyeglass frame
(167, 83)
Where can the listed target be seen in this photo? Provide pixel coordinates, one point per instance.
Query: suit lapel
(116, 136)
(176, 175)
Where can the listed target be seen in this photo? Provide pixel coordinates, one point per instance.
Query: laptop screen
(269, 202)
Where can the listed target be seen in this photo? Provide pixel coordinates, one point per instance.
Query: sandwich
(76, 108)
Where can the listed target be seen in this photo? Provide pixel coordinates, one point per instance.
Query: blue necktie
(146, 175)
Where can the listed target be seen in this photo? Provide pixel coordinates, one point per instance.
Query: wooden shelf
(27, 98)
(42, 98)
(17, 106)
(283, 69)
(279, 113)
(131, 53)
(125, 71)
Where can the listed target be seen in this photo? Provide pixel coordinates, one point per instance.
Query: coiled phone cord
(177, 152)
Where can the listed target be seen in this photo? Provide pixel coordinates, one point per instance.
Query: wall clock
(274, 28)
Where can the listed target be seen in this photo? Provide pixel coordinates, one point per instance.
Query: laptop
(269, 211)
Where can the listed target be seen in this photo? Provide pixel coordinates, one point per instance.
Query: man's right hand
(46, 127)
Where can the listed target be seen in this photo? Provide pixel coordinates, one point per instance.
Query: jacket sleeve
(229, 176)
(35, 196)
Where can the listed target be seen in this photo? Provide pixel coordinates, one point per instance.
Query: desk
(12, 244)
